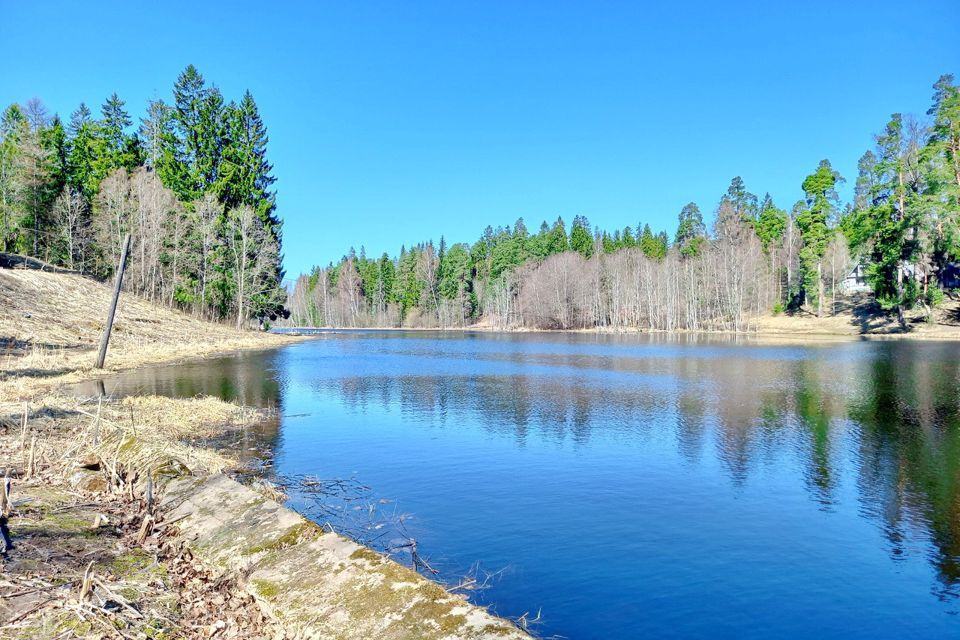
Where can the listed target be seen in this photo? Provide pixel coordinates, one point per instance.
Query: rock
(88, 481)
(90, 461)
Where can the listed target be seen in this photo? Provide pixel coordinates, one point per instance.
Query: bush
(778, 308)
(935, 296)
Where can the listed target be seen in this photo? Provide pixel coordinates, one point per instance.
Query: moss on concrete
(265, 588)
(364, 553)
(293, 535)
(321, 584)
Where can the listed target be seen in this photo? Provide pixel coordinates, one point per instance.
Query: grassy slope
(50, 326)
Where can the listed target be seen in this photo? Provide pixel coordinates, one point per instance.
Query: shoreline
(115, 553)
(771, 334)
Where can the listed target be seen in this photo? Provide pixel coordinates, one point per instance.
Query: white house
(856, 280)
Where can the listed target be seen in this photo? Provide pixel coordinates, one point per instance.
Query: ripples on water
(639, 486)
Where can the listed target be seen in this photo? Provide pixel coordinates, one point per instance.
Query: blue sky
(395, 122)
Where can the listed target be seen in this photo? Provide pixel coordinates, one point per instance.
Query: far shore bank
(770, 332)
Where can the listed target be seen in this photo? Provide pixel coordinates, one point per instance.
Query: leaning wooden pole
(105, 339)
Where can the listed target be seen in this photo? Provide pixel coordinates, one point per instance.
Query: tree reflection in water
(886, 415)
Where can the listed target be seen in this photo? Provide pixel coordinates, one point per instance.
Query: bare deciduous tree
(70, 216)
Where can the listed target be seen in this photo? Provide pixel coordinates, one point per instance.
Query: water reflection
(868, 427)
(890, 410)
(909, 447)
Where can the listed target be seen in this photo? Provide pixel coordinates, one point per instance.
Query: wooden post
(105, 339)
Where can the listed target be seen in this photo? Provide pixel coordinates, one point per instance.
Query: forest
(757, 258)
(191, 184)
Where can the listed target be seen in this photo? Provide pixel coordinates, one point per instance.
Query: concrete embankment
(316, 584)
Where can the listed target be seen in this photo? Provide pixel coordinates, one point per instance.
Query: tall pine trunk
(820, 289)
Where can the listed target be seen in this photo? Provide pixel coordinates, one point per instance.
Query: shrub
(935, 296)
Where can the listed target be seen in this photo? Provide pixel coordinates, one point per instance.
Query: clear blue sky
(394, 122)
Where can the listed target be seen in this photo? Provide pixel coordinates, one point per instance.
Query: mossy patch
(133, 564)
(499, 630)
(68, 522)
(363, 553)
(79, 525)
(293, 535)
(266, 589)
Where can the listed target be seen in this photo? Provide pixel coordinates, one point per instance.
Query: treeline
(756, 258)
(192, 185)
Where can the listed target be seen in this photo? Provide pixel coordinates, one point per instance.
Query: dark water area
(637, 486)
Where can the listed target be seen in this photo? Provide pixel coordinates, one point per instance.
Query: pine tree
(941, 157)
(821, 203)
(886, 225)
(691, 231)
(743, 202)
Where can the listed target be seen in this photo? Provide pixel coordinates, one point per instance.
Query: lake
(630, 486)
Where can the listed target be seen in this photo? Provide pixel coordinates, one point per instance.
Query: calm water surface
(639, 486)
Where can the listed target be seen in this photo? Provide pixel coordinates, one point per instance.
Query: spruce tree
(771, 224)
(115, 122)
(178, 165)
(113, 148)
(557, 241)
(581, 240)
(649, 244)
(155, 132)
(13, 129)
(80, 117)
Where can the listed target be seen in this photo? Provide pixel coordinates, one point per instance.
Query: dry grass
(66, 521)
(50, 327)
(859, 316)
(140, 433)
